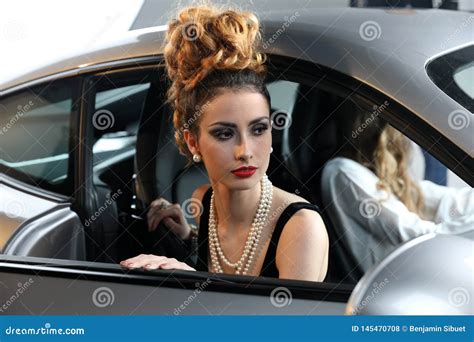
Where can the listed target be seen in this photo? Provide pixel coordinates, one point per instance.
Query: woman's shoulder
(284, 200)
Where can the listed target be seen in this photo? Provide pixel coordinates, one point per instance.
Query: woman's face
(235, 132)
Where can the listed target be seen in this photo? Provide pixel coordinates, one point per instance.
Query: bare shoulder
(198, 195)
(304, 221)
(285, 198)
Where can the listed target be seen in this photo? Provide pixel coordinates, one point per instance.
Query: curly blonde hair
(208, 50)
(386, 152)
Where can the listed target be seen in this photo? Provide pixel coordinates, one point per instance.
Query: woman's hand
(153, 262)
(172, 216)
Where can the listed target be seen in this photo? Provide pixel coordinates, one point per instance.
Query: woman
(373, 201)
(222, 119)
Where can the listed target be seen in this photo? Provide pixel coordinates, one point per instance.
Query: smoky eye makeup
(222, 133)
(260, 128)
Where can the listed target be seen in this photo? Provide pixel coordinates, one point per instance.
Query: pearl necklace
(217, 255)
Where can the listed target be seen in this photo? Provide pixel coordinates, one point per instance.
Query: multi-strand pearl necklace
(242, 265)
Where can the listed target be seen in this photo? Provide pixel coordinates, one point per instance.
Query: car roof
(387, 49)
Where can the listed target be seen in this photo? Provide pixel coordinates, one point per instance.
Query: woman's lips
(244, 172)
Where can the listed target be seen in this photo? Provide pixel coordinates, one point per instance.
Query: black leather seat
(161, 171)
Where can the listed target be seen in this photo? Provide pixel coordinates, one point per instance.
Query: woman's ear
(191, 141)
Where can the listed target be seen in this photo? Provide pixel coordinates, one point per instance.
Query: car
(86, 144)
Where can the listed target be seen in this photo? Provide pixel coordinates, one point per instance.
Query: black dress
(269, 268)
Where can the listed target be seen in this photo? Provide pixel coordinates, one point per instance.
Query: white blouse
(373, 222)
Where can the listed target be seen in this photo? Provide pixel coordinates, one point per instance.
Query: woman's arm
(302, 251)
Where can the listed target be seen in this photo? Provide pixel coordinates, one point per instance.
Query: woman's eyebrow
(230, 124)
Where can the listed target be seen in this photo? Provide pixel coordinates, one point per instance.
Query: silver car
(87, 143)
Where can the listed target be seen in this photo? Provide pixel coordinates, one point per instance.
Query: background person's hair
(209, 50)
(386, 152)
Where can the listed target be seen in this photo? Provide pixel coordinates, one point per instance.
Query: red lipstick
(244, 171)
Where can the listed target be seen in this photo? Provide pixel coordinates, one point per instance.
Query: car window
(115, 121)
(453, 73)
(35, 127)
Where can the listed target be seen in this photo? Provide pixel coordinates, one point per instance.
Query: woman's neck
(236, 208)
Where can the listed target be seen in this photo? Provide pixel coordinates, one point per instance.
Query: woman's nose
(243, 151)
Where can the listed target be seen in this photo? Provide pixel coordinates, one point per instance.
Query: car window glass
(34, 134)
(464, 78)
(115, 121)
